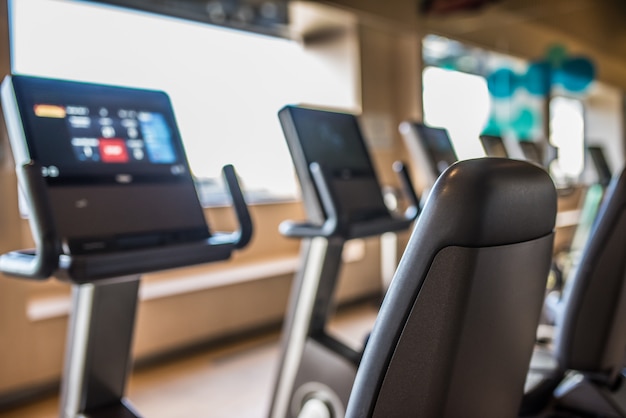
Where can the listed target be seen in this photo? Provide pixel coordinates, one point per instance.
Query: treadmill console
(601, 165)
(334, 141)
(108, 156)
(494, 146)
(430, 149)
(437, 145)
(532, 152)
(107, 134)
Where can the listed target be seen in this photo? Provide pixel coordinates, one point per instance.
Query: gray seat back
(591, 334)
(456, 330)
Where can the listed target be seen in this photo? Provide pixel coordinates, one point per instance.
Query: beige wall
(20, 348)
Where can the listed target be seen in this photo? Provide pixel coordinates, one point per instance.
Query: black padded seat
(457, 327)
(590, 335)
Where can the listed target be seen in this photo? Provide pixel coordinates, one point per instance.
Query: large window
(459, 102)
(226, 86)
(471, 91)
(567, 134)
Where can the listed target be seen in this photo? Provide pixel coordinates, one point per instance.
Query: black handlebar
(243, 236)
(41, 262)
(414, 208)
(333, 226)
(44, 261)
(307, 229)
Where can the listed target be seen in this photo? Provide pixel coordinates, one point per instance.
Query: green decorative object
(556, 55)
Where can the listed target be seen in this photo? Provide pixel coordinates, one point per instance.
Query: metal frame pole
(98, 351)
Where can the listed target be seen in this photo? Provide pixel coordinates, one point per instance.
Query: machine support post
(98, 351)
(311, 300)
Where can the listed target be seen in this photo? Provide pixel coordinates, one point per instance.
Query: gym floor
(234, 380)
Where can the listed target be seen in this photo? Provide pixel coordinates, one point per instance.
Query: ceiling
(595, 29)
(600, 24)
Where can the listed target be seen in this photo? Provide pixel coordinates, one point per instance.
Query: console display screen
(494, 146)
(333, 139)
(531, 151)
(438, 147)
(83, 132)
(602, 166)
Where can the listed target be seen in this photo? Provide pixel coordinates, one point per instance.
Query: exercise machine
(430, 148)
(456, 330)
(585, 372)
(343, 200)
(110, 196)
(567, 259)
(494, 146)
(600, 164)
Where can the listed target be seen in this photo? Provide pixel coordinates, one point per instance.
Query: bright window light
(460, 103)
(567, 133)
(226, 86)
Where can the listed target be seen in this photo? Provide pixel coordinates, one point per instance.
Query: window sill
(212, 194)
(173, 283)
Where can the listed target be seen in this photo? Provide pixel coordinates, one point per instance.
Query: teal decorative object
(538, 78)
(521, 115)
(502, 83)
(492, 127)
(576, 74)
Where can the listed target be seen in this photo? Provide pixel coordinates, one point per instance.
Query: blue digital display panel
(157, 138)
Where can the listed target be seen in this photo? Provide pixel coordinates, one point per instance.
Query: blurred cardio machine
(494, 146)
(583, 374)
(110, 196)
(431, 150)
(566, 259)
(343, 200)
(532, 151)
